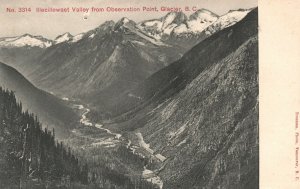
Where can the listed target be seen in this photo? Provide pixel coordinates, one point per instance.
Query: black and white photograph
(113, 94)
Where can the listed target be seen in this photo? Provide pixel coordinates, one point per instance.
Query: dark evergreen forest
(29, 155)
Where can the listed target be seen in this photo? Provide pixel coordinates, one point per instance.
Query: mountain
(201, 112)
(177, 28)
(21, 58)
(62, 38)
(173, 78)
(165, 25)
(99, 65)
(50, 110)
(102, 62)
(178, 23)
(22, 51)
(227, 20)
(25, 40)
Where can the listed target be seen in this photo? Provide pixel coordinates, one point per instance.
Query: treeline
(29, 155)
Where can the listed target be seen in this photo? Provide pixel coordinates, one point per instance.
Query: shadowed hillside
(51, 110)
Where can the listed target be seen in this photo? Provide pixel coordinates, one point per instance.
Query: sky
(51, 25)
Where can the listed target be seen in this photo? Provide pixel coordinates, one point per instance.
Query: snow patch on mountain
(25, 40)
(200, 20)
(9, 39)
(168, 19)
(156, 23)
(77, 38)
(165, 25)
(92, 36)
(124, 23)
(178, 24)
(181, 29)
(125, 20)
(169, 29)
(154, 41)
(232, 17)
(62, 38)
(227, 20)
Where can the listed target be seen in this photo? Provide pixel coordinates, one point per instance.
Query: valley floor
(93, 142)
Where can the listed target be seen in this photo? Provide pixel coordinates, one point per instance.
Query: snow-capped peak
(26, 40)
(62, 38)
(165, 25)
(124, 23)
(198, 21)
(178, 23)
(234, 16)
(203, 20)
(175, 18)
(227, 20)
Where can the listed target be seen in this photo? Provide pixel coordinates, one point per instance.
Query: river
(147, 174)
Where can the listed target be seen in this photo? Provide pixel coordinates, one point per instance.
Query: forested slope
(29, 156)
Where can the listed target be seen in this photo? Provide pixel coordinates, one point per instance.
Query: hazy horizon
(50, 25)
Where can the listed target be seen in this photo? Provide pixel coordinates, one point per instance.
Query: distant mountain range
(102, 63)
(177, 28)
(174, 24)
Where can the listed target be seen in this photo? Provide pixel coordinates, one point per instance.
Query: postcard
(149, 94)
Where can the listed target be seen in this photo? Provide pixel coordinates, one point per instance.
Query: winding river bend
(86, 122)
(147, 174)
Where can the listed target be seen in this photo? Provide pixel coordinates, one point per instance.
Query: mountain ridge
(180, 20)
(51, 110)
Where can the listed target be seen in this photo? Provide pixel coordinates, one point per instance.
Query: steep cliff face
(209, 131)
